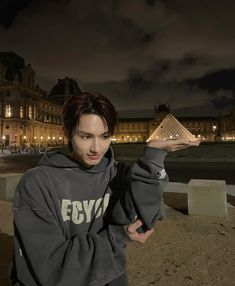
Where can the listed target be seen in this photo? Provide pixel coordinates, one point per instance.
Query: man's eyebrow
(87, 133)
(84, 133)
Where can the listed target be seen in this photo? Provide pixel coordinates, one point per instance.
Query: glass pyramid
(171, 129)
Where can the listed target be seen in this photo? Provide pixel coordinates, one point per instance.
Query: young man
(75, 213)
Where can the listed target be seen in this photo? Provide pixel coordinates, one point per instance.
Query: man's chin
(91, 163)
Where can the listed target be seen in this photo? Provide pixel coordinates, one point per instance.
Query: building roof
(64, 89)
(63, 86)
(13, 63)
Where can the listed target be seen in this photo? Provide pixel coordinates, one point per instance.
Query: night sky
(139, 53)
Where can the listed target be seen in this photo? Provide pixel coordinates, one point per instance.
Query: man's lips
(94, 157)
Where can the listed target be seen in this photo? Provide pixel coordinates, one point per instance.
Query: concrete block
(8, 184)
(207, 197)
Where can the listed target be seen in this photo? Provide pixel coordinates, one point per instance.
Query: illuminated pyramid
(171, 128)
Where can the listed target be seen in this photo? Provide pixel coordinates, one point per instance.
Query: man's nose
(95, 146)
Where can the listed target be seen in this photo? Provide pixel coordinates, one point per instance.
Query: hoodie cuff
(154, 154)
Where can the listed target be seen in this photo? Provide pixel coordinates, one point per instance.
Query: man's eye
(86, 137)
(106, 136)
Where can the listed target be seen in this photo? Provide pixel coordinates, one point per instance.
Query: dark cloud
(223, 101)
(188, 60)
(153, 2)
(222, 79)
(140, 52)
(9, 10)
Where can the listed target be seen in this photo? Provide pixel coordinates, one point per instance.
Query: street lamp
(214, 130)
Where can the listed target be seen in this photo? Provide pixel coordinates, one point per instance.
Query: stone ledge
(207, 197)
(8, 183)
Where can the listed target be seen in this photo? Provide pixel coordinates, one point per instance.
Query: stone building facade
(28, 116)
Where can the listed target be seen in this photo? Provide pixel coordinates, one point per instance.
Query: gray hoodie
(68, 220)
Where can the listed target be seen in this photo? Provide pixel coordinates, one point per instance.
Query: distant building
(31, 117)
(28, 116)
(226, 127)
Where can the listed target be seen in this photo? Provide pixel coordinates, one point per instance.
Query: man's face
(91, 141)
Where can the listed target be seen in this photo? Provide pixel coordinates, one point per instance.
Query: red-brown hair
(87, 103)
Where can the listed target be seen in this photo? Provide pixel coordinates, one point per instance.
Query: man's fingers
(144, 236)
(134, 226)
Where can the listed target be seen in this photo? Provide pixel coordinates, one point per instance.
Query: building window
(8, 111)
(21, 112)
(34, 112)
(30, 112)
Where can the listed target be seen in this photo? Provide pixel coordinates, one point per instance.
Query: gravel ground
(186, 250)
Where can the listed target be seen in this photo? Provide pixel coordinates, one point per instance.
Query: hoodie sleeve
(138, 191)
(45, 256)
(148, 182)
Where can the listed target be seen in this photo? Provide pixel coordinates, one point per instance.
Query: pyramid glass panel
(171, 128)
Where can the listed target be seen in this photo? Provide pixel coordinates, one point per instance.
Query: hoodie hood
(58, 159)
